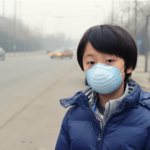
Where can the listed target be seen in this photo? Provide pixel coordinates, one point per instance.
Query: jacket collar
(145, 99)
(73, 100)
(136, 96)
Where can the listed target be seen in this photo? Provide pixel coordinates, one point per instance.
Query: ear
(129, 70)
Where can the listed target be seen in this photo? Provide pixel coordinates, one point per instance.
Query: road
(30, 89)
(140, 76)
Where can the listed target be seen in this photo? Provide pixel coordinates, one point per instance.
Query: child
(113, 114)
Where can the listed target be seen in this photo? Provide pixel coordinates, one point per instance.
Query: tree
(146, 12)
(134, 16)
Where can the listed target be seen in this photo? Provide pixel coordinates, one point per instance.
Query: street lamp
(42, 20)
(149, 61)
(56, 28)
(112, 13)
(102, 10)
(3, 16)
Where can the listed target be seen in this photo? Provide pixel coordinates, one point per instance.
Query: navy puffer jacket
(126, 129)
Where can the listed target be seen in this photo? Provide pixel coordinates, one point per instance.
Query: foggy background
(38, 66)
(38, 25)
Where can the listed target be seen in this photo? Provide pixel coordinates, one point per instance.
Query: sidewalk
(141, 77)
(16, 54)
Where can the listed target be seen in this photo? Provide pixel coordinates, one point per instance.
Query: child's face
(92, 57)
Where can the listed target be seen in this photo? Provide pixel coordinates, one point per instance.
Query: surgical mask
(104, 79)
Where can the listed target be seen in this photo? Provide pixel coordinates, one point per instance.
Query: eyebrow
(88, 55)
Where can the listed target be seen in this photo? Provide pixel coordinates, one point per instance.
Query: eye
(90, 63)
(110, 61)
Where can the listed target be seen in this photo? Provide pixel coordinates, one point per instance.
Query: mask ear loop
(122, 70)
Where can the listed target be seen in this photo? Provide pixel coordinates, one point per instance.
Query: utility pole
(149, 56)
(146, 43)
(129, 16)
(14, 45)
(122, 19)
(20, 9)
(112, 13)
(42, 21)
(19, 28)
(3, 8)
(97, 6)
(146, 38)
(135, 22)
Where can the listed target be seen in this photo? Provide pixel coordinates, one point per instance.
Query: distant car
(2, 54)
(61, 53)
(48, 51)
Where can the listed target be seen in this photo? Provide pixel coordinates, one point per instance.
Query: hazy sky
(72, 17)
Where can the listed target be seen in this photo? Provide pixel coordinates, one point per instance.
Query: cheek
(85, 67)
(123, 76)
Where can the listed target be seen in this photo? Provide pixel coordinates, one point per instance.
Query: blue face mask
(104, 79)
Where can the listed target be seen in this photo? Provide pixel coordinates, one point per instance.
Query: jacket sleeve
(63, 142)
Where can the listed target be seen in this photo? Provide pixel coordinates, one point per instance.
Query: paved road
(140, 76)
(30, 89)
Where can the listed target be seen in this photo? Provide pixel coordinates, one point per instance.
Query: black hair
(110, 39)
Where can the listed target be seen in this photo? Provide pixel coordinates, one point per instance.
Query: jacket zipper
(98, 140)
(99, 136)
(108, 121)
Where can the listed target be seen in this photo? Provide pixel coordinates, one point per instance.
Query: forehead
(91, 51)
(89, 47)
